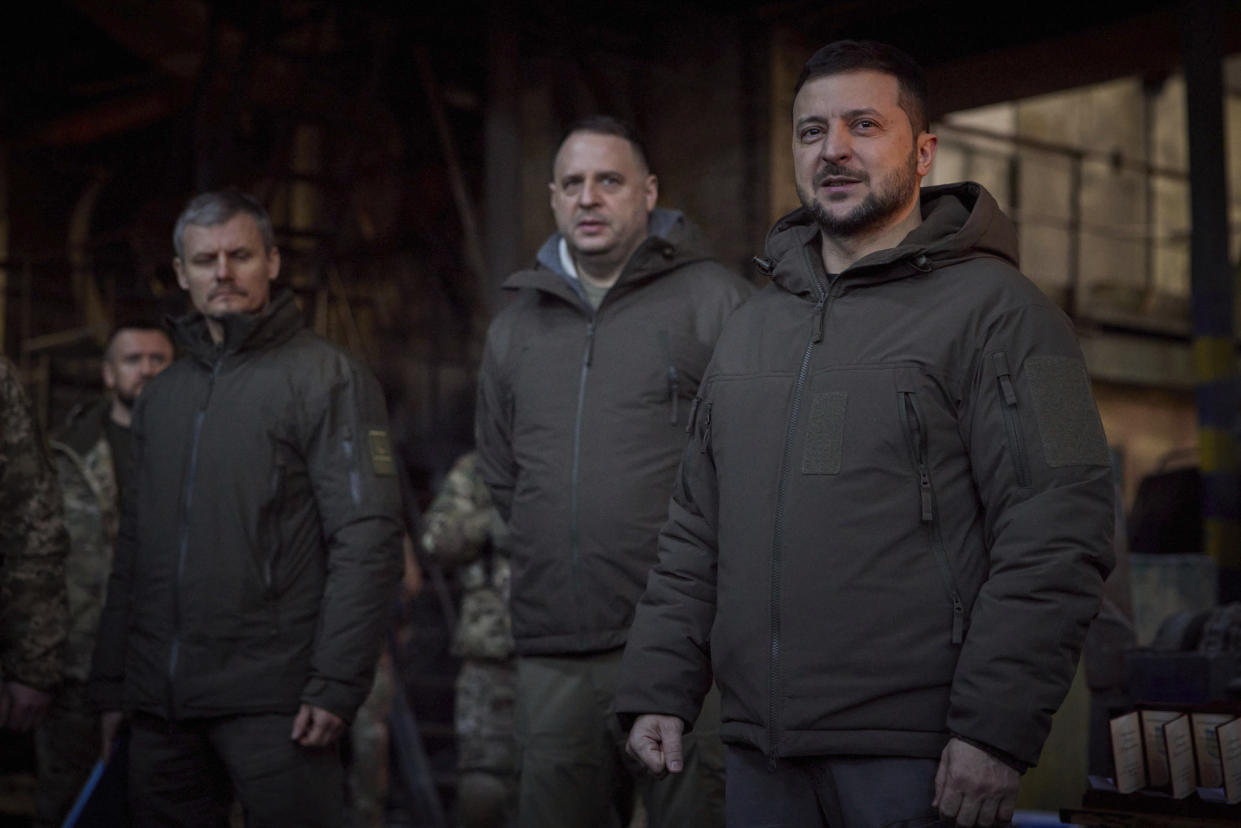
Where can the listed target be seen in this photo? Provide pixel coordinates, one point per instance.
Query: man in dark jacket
(259, 547)
(891, 525)
(91, 455)
(583, 401)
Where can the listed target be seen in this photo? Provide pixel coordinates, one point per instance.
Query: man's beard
(126, 399)
(875, 210)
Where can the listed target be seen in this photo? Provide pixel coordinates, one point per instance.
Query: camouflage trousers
(368, 771)
(484, 716)
(486, 748)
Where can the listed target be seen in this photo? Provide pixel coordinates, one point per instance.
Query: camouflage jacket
(33, 545)
(83, 460)
(464, 530)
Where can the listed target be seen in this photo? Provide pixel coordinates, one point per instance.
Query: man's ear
(179, 269)
(109, 376)
(927, 144)
(652, 191)
(273, 262)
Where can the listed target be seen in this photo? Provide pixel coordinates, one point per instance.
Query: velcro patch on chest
(825, 434)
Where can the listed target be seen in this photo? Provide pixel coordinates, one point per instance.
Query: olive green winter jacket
(260, 539)
(894, 517)
(581, 422)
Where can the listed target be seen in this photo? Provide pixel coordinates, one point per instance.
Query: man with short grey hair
(259, 549)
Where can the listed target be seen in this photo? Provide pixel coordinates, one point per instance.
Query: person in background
(34, 615)
(91, 456)
(464, 531)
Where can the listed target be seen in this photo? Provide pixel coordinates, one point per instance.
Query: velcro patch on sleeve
(825, 433)
(380, 447)
(1068, 422)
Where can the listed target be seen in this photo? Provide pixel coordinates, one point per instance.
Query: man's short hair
(852, 55)
(210, 209)
(133, 325)
(609, 125)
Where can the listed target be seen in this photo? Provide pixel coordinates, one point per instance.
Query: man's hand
(655, 740)
(316, 727)
(109, 723)
(411, 581)
(972, 787)
(22, 708)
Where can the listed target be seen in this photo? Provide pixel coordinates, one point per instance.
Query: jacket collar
(85, 426)
(672, 241)
(959, 222)
(274, 324)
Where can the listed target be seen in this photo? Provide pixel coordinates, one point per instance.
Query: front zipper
(187, 501)
(277, 540)
(588, 355)
(816, 335)
(674, 386)
(916, 437)
(1012, 418)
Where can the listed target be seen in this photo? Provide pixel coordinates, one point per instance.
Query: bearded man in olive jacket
(584, 395)
(891, 526)
(259, 547)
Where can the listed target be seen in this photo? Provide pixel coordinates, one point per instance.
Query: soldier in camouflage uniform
(90, 455)
(33, 545)
(464, 530)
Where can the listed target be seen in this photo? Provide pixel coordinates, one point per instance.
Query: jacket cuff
(336, 698)
(627, 719)
(1007, 758)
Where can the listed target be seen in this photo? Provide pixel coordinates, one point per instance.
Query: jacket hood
(243, 331)
(672, 241)
(959, 222)
(85, 426)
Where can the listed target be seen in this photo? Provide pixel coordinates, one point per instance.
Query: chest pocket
(682, 360)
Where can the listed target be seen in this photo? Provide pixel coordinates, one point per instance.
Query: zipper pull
(958, 620)
(590, 344)
(706, 428)
(924, 483)
(818, 319)
(673, 389)
(693, 412)
(1006, 379)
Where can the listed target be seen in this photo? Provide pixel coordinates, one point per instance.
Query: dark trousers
(185, 773)
(833, 792)
(574, 769)
(66, 749)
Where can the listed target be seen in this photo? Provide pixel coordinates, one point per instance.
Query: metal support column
(1215, 353)
(502, 140)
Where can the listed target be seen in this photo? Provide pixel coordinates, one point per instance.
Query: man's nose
(838, 145)
(223, 268)
(588, 195)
